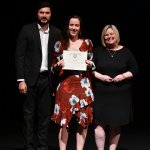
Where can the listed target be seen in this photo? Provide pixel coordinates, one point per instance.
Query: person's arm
(19, 60)
(104, 78)
(89, 61)
(132, 66)
(127, 75)
(57, 58)
(123, 76)
(20, 53)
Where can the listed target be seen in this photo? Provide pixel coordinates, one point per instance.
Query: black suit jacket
(28, 54)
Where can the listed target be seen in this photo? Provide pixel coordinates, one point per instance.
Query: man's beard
(43, 23)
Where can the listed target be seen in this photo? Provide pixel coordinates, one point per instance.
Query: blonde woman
(115, 68)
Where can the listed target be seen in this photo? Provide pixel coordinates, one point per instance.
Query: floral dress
(74, 94)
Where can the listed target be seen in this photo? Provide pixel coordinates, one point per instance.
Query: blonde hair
(114, 28)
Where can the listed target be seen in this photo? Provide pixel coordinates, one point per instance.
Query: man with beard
(34, 48)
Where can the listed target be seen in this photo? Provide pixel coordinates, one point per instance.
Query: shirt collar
(40, 28)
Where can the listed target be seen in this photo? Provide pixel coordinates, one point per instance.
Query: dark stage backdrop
(130, 18)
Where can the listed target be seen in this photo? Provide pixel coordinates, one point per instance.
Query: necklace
(111, 53)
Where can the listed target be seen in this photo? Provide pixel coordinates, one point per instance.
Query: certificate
(74, 60)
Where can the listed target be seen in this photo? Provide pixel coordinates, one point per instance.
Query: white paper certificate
(74, 60)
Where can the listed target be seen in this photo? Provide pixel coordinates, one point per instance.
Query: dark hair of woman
(65, 32)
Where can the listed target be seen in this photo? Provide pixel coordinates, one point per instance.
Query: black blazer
(28, 55)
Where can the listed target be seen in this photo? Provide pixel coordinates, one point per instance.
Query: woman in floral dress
(74, 96)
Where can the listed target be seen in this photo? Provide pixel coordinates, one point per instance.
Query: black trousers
(36, 113)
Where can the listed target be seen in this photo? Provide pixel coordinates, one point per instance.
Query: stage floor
(134, 137)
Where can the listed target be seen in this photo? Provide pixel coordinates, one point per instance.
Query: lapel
(50, 41)
(37, 35)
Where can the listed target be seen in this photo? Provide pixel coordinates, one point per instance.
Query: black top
(113, 104)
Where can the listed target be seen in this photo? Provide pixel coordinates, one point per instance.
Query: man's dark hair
(43, 4)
